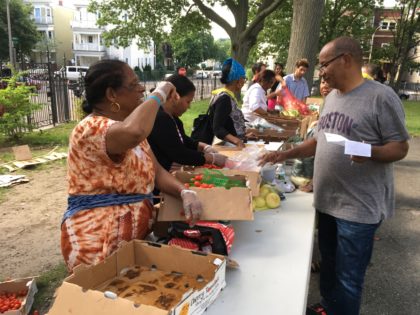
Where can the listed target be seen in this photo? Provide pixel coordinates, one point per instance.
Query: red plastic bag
(290, 102)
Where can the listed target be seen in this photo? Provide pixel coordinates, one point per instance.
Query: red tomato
(187, 185)
(197, 184)
(204, 186)
(211, 185)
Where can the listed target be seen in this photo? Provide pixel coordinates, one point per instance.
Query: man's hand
(272, 157)
(359, 159)
(192, 206)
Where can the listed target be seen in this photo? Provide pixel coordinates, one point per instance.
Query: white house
(88, 45)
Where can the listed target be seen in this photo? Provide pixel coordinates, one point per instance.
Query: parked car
(200, 75)
(72, 73)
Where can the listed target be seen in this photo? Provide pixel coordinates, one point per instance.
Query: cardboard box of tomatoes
(17, 296)
(227, 201)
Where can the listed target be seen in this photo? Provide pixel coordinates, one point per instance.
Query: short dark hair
(266, 76)
(256, 67)
(302, 63)
(101, 75)
(348, 45)
(278, 64)
(183, 85)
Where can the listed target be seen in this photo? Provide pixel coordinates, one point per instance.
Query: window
(90, 39)
(37, 13)
(388, 25)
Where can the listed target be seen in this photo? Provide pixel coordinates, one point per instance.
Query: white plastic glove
(209, 149)
(192, 206)
(219, 159)
(164, 88)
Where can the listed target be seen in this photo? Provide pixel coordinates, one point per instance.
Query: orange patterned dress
(91, 235)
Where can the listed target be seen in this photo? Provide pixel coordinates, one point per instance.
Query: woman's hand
(219, 159)
(192, 206)
(239, 143)
(209, 149)
(166, 91)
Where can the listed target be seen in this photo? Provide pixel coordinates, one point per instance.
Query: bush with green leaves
(16, 107)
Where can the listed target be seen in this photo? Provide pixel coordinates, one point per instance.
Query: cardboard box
(79, 294)
(270, 134)
(17, 285)
(218, 203)
(254, 178)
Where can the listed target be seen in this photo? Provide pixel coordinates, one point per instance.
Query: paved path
(392, 284)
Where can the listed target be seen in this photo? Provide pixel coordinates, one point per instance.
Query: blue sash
(78, 203)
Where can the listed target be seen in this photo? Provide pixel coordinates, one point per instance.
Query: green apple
(272, 200)
(259, 202)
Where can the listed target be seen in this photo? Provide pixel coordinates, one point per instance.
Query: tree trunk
(305, 35)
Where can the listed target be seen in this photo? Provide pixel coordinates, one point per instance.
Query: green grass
(412, 115)
(58, 135)
(47, 283)
(197, 108)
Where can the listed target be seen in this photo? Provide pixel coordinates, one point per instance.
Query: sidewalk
(392, 284)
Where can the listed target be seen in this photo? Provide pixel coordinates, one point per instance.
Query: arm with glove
(169, 184)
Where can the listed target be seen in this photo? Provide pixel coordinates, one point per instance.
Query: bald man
(352, 194)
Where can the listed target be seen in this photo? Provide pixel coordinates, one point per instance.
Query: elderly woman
(171, 146)
(111, 169)
(255, 99)
(228, 122)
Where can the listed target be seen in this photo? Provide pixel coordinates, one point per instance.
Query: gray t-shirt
(359, 192)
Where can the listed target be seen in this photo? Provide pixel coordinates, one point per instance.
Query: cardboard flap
(218, 204)
(71, 299)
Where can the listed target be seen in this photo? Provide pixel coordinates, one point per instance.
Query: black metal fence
(61, 99)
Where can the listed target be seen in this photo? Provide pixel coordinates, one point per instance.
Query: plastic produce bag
(291, 103)
(264, 124)
(247, 159)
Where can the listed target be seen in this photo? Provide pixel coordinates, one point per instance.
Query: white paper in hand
(350, 147)
(357, 148)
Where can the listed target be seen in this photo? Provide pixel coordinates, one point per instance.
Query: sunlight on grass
(412, 116)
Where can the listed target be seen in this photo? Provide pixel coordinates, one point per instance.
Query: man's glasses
(326, 64)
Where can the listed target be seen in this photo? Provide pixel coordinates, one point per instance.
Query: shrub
(17, 107)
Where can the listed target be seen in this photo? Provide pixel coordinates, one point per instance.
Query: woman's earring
(115, 107)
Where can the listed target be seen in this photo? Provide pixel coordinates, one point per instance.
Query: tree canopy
(146, 20)
(401, 53)
(23, 28)
(340, 17)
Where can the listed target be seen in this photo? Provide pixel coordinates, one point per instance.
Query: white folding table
(274, 254)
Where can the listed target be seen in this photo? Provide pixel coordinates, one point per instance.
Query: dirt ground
(30, 217)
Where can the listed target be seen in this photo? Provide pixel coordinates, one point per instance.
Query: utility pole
(9, 31)
(371, 42)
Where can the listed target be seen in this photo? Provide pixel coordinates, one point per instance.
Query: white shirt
(254, 98)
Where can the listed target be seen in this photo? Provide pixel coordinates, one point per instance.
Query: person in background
(111, 169)
(255, 100)
(256, 69)
(171, 146)
(369, 71)
(227, 120)
(271, 98)
(352, 194)
(296, 83)
(304, 167)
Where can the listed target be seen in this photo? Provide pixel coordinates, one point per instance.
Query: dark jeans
(346, 248)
